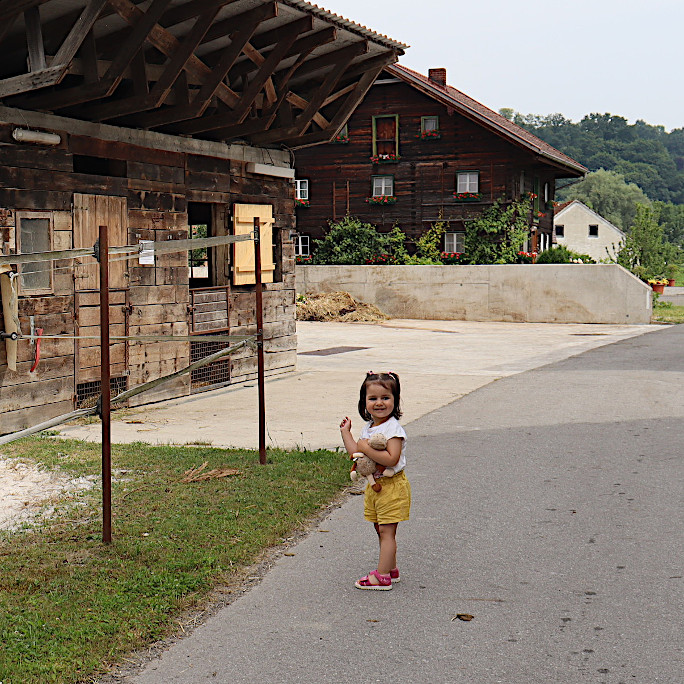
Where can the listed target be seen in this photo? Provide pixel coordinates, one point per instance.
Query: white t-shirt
(390, 428)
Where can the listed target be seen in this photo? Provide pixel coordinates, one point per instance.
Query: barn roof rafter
(268, 71)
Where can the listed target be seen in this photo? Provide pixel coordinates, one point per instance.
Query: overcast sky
(575, 57)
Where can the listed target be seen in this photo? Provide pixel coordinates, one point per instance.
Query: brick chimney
(437, 76)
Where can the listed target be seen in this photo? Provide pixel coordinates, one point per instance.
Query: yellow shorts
(392, 503)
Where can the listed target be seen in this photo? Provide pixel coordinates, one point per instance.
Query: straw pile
(336, 306)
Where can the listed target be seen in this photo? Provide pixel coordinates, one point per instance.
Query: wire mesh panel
(213, 375)
(87, 393)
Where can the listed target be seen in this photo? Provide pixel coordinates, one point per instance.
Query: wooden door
(91, 212)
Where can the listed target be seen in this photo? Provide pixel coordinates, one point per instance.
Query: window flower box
(381, 260)
(468, 196)
(302, 203)
(303, 259)
(451, 258)
(385, 158)
(341, 140)
(381, 199)
(430, 135)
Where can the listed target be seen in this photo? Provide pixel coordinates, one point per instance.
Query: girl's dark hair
(390, 381)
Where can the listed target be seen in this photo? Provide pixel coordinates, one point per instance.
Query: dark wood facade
(154, 118)
(469, 139)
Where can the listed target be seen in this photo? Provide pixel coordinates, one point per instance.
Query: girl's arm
(349, 442)
(388, 457)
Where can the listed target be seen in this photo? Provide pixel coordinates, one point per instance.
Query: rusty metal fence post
(260, 341)
(105, 396)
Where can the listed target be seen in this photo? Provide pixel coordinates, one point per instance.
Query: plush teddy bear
(364, 466)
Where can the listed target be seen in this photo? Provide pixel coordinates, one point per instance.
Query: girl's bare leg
(387, 536)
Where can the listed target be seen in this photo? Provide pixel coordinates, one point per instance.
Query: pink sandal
(384, 581)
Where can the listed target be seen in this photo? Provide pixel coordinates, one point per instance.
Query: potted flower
(302, 203)
(432, 134)
(381, 260)
(451, 258)
(671, 271)
(381, 199)
(658, 284)
(302, 259)
(390, 158)
(467, 196)
(341, 139)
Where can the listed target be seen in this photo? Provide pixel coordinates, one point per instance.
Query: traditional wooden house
(416, 149)
(160, 119)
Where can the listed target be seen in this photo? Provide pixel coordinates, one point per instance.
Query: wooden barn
(417, 148)
(163, 120)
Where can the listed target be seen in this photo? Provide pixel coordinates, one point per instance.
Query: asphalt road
(548, 505)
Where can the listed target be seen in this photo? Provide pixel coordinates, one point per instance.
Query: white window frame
(302, 245)
(468, 181)
(383, 186)
(37, 265)
(429, 123)
(454, 241)
(301, 189)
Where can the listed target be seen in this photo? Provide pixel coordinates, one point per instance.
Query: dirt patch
(336, 306)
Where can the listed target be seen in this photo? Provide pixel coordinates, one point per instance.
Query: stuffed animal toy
(364, 466)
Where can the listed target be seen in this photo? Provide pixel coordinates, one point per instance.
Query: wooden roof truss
(268, 71)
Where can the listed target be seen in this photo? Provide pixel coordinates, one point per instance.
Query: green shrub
(349, 242)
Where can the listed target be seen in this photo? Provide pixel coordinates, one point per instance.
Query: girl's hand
(345, 425)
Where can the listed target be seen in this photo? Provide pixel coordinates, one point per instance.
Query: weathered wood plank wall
(156, 187)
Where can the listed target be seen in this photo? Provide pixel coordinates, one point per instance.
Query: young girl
(379, 405)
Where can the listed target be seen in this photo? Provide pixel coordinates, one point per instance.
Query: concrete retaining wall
(535, 293)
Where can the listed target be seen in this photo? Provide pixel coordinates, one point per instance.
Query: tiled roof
(345, 23)
(473, 109)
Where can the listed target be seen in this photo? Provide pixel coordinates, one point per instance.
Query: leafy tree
(428, 245)
(609, 195)
(498, 234)
(645, 251)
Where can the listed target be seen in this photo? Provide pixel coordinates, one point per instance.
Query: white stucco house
(582, 230)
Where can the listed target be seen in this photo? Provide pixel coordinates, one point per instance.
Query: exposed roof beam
(34, 39)
(10, 8)
(248, 24)
(162, 87)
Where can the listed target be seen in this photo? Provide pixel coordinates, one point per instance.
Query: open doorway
(200, 220)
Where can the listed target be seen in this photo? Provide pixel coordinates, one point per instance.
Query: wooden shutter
(91, 212)
(243, 263)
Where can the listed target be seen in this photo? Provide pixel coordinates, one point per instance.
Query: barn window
(34, 234)
(560, 231)
(593, 231)
(302, 189)
(468, 181)
(383, 185)
(454, 242)
(386, 136)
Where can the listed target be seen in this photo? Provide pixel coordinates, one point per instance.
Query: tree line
(630, 165)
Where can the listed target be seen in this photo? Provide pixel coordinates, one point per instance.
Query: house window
(386, 136)
(535, 204)
(454, 242)
(383, 185)
(302, 189)
(429, 123)
(34, 234)
(560, 231)
(468, 181)
(593, 231)
(302, 245)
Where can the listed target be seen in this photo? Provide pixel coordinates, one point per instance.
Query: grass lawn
(665, 312)
(70, 606)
